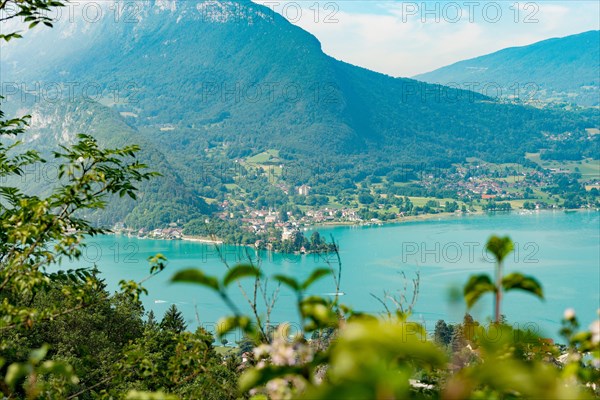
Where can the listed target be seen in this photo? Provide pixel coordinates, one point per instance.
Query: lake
(562, 250)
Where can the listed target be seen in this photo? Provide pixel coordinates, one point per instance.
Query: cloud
(408, 38)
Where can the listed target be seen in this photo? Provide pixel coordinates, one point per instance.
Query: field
(589, 169)
(268, 157)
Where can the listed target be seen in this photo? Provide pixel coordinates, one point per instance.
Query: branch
(91, 387)
(387, 310)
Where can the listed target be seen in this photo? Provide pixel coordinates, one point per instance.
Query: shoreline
(448, 216)
(407, 219)
(199, 239)
(397, 221)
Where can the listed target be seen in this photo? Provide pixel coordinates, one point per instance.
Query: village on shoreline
(290, 229)
(465, 190)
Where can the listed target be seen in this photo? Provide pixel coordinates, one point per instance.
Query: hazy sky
(403, 38)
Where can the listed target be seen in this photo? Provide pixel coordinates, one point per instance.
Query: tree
(151, 321)
(91, 339)
(185, 364)
(173, 320)
(443, 333)
(283, 215)
(451, 207)
(315, 241)
(458, 340)
(36, 232)
(365, 198)
(68, 309)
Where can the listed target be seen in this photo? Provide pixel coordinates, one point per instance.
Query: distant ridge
(553, 70)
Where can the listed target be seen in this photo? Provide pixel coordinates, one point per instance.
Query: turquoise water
(561, 250)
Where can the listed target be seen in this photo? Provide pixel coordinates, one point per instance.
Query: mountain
(161, 200)
(204, 86)
(559, 70)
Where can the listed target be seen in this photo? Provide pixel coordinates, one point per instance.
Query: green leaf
(290, 282)
(15, 373)
(10, 36)
(227, 324)
(157, 263)
(499, 247)
(321, 315)
(361, 317)
(240, 271)
(259, 397)
(477, 286)
(61, 369)
(196, 276)
(522, 282)
(38, 355)
(316, 275)
(136, 395)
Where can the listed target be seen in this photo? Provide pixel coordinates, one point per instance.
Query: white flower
(279, 389)
(283, 355)
(569, 314)
(595, 330)
(261, 351)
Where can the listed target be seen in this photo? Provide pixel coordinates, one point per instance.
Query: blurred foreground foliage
(344, 353)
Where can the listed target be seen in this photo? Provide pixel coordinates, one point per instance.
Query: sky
(402, 38)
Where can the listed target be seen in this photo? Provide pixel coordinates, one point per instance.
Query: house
(304, 190)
